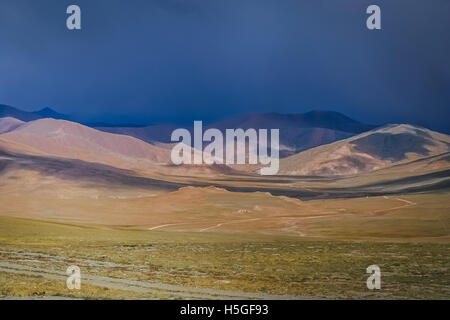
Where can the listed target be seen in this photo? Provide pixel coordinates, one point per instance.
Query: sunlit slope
(65, 139)
(373, 150)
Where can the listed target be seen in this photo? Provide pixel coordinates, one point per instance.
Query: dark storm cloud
(185, 59)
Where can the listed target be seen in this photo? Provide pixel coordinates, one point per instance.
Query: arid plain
(140, 227)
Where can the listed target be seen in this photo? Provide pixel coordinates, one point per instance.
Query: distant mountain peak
(8, 111)
(50, 113)
(328, 114)
(312, 119)
(46, 109)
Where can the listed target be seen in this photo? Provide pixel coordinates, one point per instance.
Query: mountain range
(297, 131)
(376, 149)
(71, 140)
(318, 143)
(8, 111)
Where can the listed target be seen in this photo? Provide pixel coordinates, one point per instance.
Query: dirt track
(155, 288)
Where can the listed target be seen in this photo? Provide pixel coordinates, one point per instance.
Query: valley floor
(319, 257)
(137, 238)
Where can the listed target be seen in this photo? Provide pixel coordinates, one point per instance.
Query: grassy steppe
(307, 267)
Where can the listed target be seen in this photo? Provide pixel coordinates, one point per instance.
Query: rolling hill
(297, 131)
(8, 124)
(65, 139)
(51, 138)
(376, 149)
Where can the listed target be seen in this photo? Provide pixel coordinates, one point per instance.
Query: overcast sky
(179, 60)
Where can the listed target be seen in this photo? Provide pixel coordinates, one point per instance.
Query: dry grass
(245, 262)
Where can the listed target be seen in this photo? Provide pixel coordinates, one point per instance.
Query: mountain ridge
(372, 150)
(9, 111)
(66, 139)
(297, 131)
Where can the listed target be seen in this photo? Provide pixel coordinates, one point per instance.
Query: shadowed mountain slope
(60, 138)
(297, 131)
(70, 140)
(8, 111)
(8, 124)
(376, 149)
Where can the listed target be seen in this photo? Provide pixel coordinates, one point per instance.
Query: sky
(147, 61)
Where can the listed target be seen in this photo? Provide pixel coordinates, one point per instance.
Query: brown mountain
(298, 132)
(65, 139)
(8, 124)
(376, 149)
(71, 140)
